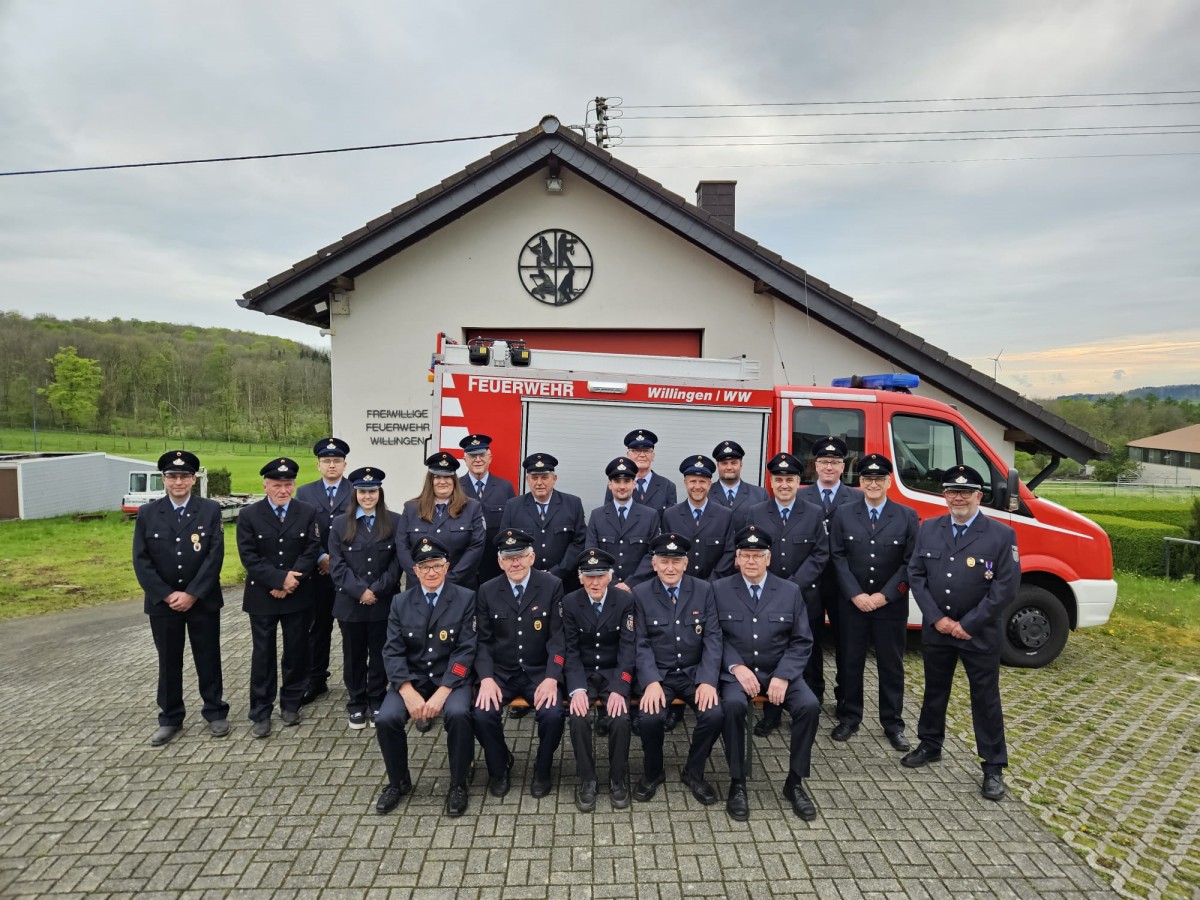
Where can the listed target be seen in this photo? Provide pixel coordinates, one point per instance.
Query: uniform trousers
(489, 726)
(802, 707)
(618, 735)
(203, 630)
(393, 739)
(860, 630)
(652, 727)
(983, 676)
(814, 669)
(293, 666)
(362, 664)
(320, 630)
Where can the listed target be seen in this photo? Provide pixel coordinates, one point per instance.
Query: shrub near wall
(1137, 546)
(1177, 514)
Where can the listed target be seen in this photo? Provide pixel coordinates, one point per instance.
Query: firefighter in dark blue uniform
(490, 490)
(444, 512)
(178, 548)
(704, 521)
(964, 571)
(554, 520)
(799, 548)
(330, 494)
(278, 540)
(600, 650)
(764, 626)
(428, 656)
(519, 617)
(871, 544)
(650, 488)
(622, 527)
(729, 489)
(678, 656)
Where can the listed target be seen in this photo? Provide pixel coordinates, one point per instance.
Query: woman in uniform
(442, 511)
(366, 572)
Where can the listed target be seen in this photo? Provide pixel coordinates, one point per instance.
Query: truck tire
(1035, 628)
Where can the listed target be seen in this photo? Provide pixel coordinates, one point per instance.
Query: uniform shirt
(520, 636)
(771, 637)
(869, 560)
(628, 542)
(683, 638)
(603, 644)
(711, 553)
(970, 581)
(431, 644)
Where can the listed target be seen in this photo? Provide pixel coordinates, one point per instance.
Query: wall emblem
(555, 267)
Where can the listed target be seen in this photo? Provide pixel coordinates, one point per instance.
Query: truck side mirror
(1008, 497)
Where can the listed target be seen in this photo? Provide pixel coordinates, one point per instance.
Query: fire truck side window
(137, 482)
(923, 449)
(811, 423)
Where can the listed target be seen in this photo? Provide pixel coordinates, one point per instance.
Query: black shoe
(499, 785)
(701, 789)
(603, 725)
(313, 693)
(456, 800)
(993, 787)
(291, 717)
(674, 717)
(518, 712)
(423, 725)
(843, 732)
(390, 796)
(899, 741)
(166, 734)
(218, 727)
(768, 723)
(802, 805)
(541, 786)
(585, 796)
(618, 794)
(736, 804)
(647, 788)
(262, 728)
(920, 757)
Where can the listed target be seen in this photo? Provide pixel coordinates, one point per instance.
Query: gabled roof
(296, 293)
(1181, 440)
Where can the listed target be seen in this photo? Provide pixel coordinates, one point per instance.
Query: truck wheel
(1035, 628)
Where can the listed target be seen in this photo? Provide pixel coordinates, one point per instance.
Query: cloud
(1118, 374)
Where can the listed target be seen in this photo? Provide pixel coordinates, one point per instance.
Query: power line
(923, 100)
(220, 159)
(910, 162)
(1002, 137)
(919, 112)
(892, 133)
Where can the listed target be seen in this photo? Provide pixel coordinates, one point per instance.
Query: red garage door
(666, 342)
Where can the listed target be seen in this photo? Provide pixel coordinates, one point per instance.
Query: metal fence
(1120, 489)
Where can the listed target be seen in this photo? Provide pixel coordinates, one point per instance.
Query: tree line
(143, 379)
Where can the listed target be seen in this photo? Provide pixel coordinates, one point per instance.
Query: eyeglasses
(831, 463)
(872, 479)
(177, 476)
(430, 568)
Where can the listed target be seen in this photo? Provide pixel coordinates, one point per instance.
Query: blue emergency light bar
(901, 382)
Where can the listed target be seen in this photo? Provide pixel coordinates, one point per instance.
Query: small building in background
(43, 485)
(1172, 457)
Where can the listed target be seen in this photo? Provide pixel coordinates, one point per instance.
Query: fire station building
(554, 241)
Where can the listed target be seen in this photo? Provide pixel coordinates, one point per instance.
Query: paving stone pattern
(1105, 748)
(87, 807)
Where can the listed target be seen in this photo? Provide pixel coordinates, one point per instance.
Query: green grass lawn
(242, 460)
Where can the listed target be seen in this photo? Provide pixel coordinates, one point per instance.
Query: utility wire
(923, 100)
(1002, 137)
(910, 162)
(219, 159)
(916, 112)
(893, 133)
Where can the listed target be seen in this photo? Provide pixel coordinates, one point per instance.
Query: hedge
(1137, 546)
(1176, 515)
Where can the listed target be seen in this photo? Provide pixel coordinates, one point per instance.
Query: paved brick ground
(87, 807)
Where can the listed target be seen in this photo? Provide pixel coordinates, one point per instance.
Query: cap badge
(539, 465)
(426, 546)
(830, 447)
(783, 464)
(752, 539)
(672, 546)
(282, 467)
(475, 442)
(593, 561)
(961, 479)
(368, 476)
(331, 446)
(873, 466)
(511, 540)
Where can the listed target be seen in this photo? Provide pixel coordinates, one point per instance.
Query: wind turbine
(996, 367)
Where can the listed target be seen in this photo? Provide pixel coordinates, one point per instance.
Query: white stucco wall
(465, 274)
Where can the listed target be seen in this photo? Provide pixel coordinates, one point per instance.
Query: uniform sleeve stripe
(627, 678)
(459, 669)
(558, 660)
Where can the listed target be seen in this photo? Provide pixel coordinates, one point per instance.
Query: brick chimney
(716, 197)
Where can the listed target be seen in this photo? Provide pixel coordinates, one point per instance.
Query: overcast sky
(1082, 272)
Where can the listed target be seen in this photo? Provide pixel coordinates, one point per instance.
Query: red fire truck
(578, 406)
